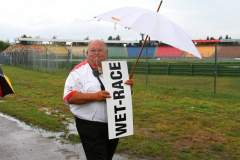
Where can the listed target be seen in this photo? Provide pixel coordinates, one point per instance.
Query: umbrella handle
(130, 77)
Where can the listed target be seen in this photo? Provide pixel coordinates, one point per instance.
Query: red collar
(94, 67)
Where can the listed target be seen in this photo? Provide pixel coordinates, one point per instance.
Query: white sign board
(119, 106)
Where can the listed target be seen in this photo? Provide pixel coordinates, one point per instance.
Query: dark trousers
(94, 137)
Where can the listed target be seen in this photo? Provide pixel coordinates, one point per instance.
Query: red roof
(206, 41)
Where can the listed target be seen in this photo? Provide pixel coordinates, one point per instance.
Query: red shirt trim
(81, 64)
(69, 95)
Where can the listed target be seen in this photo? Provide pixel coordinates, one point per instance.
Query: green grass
(175, 117)
(36, 92)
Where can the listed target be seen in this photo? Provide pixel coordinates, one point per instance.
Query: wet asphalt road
(19, 144)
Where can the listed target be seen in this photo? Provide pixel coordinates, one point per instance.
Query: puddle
(77, 148)
(46, 110)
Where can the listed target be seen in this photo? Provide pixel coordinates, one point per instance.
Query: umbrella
(5, 85)
(152, 24)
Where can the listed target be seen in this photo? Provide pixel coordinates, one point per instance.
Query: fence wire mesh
(44, 60)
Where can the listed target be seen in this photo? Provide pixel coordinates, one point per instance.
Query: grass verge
(175, 117)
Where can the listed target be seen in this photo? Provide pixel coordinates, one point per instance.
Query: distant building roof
(216, 40)
(115, 41)
(70, 40)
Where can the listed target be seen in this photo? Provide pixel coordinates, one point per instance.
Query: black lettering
(116, 109)
(116, 77)
(121, 129)
(117, 94)
(114, 67)
(117, 84)
(119, 118)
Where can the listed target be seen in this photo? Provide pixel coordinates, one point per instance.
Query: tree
(118, 37)
(142, 36)
(207, 37)
(87, 38)
(110, 38)
(226, 37)
(24, 42)
(4, 45)
(220, 37)
(54, 37)
(24, 36)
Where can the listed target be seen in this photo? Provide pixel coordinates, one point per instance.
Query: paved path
(19, 144)
(23, 143)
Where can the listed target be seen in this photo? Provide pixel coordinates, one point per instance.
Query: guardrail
(190, 69)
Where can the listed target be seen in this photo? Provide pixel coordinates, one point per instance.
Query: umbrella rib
(186, 50)
(176, 37)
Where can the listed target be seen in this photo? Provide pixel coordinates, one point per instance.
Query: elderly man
(85, 93)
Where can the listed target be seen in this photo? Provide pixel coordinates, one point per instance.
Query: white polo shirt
(81, 79)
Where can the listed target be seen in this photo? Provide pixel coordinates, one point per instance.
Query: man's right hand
(102, 95)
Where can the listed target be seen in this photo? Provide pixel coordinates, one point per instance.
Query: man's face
(96, 52)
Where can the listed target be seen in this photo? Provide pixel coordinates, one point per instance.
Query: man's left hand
(129, 82)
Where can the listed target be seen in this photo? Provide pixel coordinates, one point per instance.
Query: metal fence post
(41, 61)
(26, 59)
(215, 71)
(67, 63)
(23, 60)
(34, 60)
(71, 53)
(191, 70)
(53, 63)
(168, 69)
(83, 55)
(56, 56)
(146, 66)
(46, 59)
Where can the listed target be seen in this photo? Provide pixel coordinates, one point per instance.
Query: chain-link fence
(3, 59)
(43, 60)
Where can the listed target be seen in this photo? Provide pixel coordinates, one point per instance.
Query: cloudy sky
(73, 19)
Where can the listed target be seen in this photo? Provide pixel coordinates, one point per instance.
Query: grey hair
(105, 45)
